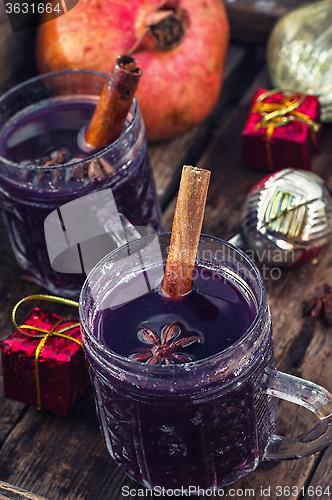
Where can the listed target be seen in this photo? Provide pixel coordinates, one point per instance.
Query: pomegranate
(180, 45)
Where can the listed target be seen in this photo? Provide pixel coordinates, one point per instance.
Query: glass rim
(91, 157)
(179, 367)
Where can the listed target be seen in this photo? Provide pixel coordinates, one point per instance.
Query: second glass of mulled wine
(43, 166)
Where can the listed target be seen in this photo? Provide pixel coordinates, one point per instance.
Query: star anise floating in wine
(320, 306)
(58, 159)
(163, 348)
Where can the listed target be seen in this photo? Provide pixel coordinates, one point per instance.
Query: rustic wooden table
(45, 455)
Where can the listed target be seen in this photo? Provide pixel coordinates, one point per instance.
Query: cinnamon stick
(114, 103)
(186, 230)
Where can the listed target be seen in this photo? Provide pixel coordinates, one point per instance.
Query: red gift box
(282, 130)
(46, 370)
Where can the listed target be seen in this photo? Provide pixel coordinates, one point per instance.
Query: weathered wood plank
(16, 53)
(62, 458)
(320, 486)
(12, 288)
(253, 20)
(10, 492)
(10, 413)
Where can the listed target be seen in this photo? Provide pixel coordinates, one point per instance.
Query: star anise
(163, 349)
(97, 170)
(47, 161)
(58, 159)
(320, 306)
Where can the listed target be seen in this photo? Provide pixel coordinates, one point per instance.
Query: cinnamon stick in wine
(186, 230)
(114, 103)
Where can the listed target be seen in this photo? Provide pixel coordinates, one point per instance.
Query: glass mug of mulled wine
(43, 166)
(186, 389)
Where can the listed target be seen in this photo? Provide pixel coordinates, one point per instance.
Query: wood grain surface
(253, 20)
(10, 492)
(16, 53)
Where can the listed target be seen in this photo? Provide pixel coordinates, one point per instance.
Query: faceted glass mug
(204, 423)
(29, 193)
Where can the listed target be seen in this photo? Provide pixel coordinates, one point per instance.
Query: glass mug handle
(309, 395)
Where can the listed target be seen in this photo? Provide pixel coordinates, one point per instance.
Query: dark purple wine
(31, 191)
(40, 134)
(205, 427)
(214, 311)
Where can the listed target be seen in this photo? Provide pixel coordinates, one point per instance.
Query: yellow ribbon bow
(280, 114)
(45, 334)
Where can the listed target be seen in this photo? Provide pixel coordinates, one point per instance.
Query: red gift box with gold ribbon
(282, 130)
(44, 364)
